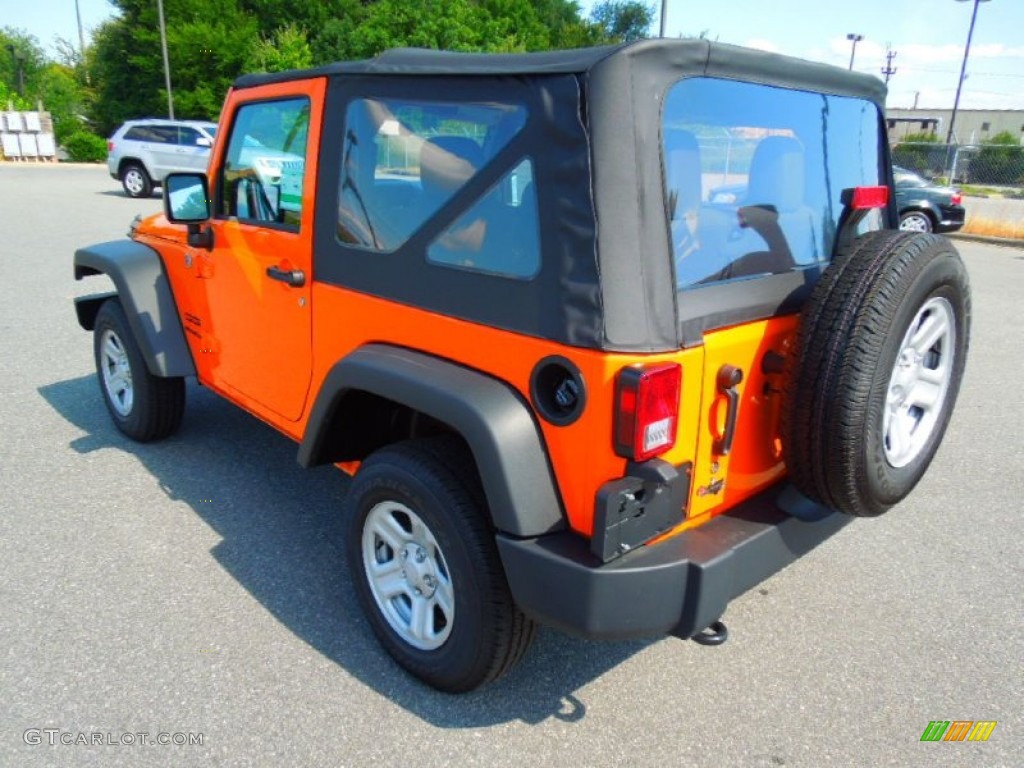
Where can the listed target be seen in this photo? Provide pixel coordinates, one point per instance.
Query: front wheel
(143, 406)
(426, 567)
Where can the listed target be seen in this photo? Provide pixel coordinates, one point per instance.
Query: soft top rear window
(754, 175)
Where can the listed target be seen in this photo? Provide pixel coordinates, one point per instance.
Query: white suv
(142, 152)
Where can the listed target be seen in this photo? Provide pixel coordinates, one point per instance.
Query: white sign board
(28, 145)
(10, 144)
(47, 147)
(13, 120)
(32, 122)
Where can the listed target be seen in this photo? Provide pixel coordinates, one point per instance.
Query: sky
(927, 35)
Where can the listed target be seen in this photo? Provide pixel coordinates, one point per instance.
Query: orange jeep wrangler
(606, 337)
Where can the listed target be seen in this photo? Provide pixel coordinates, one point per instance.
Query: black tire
(434, 479)
(844, 378)
(149, 407)
(917, 221)
(136, 180)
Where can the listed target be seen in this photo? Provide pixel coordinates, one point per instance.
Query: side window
(402, 160)
(164, 134)
(499, 234)
(154, 134)
(261, 181)
(754, 175)
(189, 137)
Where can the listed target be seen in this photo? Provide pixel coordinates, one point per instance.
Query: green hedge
(85, 147)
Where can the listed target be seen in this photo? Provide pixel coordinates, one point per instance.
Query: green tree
(63, 96)
(623, 21)
(288, 48)
(208, 43)
(21, 61)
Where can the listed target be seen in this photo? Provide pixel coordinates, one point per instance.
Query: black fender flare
(494, 421)
(145, 294)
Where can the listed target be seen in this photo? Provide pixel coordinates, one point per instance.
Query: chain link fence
(984, 165)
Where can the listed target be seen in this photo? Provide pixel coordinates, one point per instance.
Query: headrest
(777, 173)
(682, 166)
(448, 162)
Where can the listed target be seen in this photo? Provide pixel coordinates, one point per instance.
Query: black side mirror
(187, 201)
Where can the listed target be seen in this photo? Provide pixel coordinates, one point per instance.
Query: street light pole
(664, 10)
(19, 66)
(167, 63)
(853, 38)
(963, 69)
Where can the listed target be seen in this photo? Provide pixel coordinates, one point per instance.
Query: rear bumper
(952, 219)
(678, 586)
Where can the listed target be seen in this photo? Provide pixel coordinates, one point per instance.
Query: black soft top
(606, 279)
(649, 61)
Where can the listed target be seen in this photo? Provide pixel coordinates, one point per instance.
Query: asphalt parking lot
(197, 586)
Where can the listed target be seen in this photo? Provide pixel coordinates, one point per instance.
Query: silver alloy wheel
(134, 181)
(919, 382)
(408, 575)
(916, 222)
(117, 373)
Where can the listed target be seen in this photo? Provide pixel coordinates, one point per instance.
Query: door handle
(729, 377)
(293, 277)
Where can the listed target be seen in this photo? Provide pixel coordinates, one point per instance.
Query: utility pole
(167, 63)
(963, 70)
(664, 10)
(889, 70)
(81, 35)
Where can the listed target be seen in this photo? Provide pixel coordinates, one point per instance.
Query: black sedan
(925, 206)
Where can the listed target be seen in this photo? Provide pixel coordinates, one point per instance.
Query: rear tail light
(110, 146)
(870, 197)
(956, 199)
(647, 410)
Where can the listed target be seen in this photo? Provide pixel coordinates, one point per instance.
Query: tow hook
(715, 633)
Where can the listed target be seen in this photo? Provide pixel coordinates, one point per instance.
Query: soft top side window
(754, 175)
(402, 160)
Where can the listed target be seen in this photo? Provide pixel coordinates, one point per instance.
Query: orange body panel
(581, 454)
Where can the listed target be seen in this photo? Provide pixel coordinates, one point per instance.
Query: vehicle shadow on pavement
(282, 540)
(155, 195)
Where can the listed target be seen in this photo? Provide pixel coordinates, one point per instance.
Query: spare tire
(876, 369)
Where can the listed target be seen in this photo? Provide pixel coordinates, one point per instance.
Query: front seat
(696, 248)
(774, 207)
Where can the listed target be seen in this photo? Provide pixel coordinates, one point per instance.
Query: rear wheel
(136, 181)
(916, 221)
(426, 567)
(877, 367)
(143, 406)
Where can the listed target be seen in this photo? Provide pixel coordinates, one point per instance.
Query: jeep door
(258, 276)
